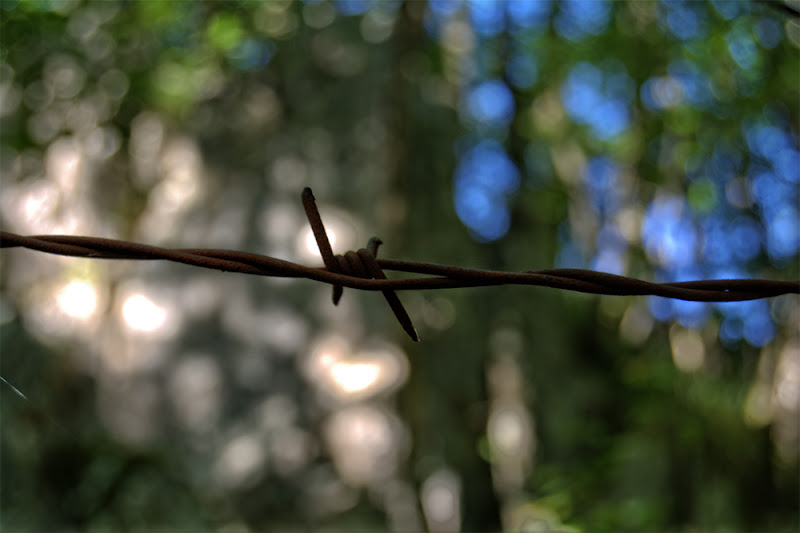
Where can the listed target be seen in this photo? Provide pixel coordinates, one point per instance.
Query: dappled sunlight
(441, 501)
(78, 299)
(241, 462)
(310, 247)
(141, 314)
(774, 399)
(636, 324)
(64, 75)
(786, 402)
(688, 348)
(181, 186)
(653, 139)
(343, 232)
(510, 428)
(510, 432)
(787, 386)
(40, 198)
(349, 374)
(662, 92)
(457, 37)
(30, 205)
(365, 442)
(54, 201)
(353, 378)
(147, 133)
(64, 309)
(147, 312)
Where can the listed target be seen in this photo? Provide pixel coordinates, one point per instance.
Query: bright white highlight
(78, 299)
(349, 375)
(141, 314)
(311, 243)
(341, 229)
(355, 377)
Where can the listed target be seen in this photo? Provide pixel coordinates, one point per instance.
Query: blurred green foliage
(362, 102)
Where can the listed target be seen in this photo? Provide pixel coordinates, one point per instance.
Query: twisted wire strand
(364, 270)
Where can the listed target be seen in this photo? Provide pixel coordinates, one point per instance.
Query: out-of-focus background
(652, 139)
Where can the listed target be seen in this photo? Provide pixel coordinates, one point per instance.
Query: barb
(361, 264)
(365, 271)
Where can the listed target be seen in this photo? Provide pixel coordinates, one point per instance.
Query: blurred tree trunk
(445, 399)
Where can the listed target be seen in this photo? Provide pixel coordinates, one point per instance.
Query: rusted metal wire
(362, 264)
(364, 270)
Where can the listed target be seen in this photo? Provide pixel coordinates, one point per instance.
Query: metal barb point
(348, 265)
(324, 245)
(391, 297)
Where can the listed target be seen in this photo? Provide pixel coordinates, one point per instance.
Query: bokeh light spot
(578, 19)
(78, 299)
(224, 30)
(355, 377)
(688, 349)
(684, 20)
(484, 179)
(490, 103)
(599, 97)
(141, 314)
(488, 17)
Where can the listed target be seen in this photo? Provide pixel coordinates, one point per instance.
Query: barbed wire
(365, 271)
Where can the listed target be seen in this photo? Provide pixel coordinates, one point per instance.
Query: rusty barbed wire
(365, 271)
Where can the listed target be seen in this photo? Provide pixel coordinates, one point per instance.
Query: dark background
(657, 140)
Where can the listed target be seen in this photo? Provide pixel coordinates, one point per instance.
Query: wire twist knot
(362, 264)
